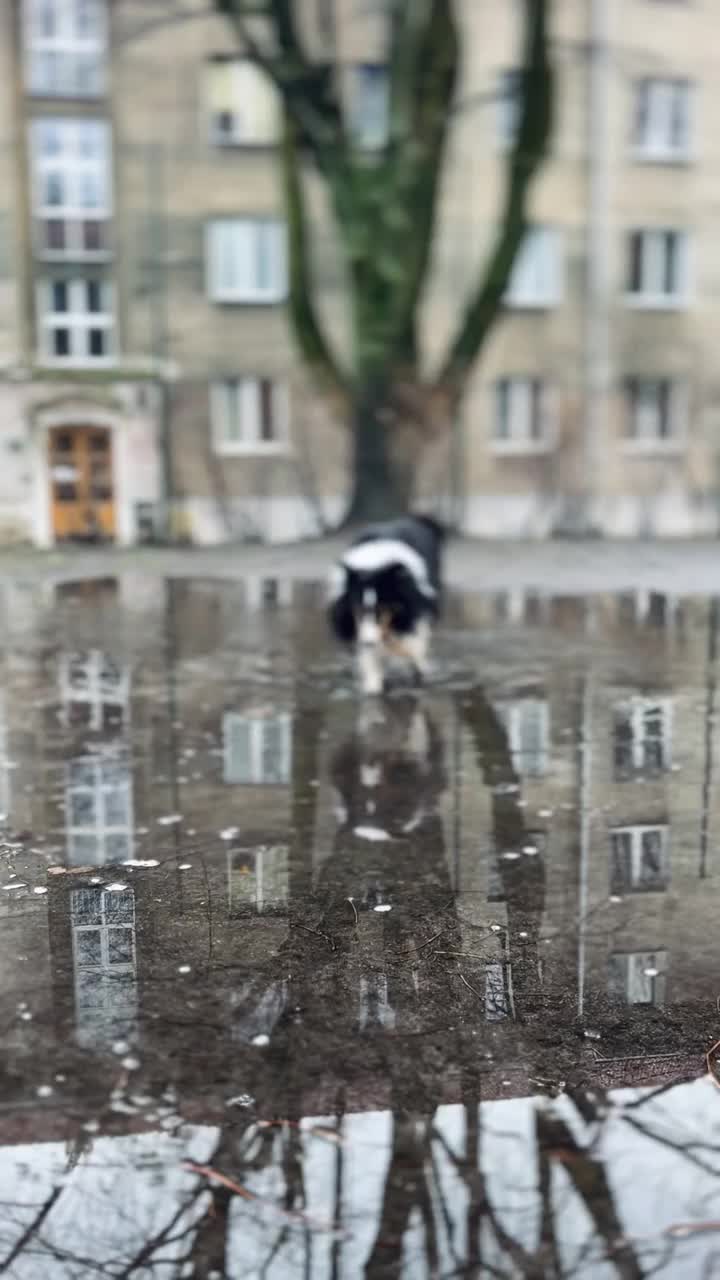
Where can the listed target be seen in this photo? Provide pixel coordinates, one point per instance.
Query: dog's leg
(370, 667)
(417, 645)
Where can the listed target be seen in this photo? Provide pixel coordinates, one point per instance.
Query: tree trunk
(382, 468)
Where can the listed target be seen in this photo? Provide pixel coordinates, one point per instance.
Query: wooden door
(81, 484)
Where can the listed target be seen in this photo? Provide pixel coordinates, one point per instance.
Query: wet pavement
(293, 985)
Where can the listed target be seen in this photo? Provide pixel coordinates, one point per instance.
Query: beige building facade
(148, 379)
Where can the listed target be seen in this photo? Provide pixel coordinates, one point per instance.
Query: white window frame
(657, 100)
(256, 723)
(507, 107)
(66, 44)
(652, 295)
(635, 832)
(636, 709)
(95, 688)
(98, 788)
(537, 285)
(513, 713)
(78, 320)
(633, 964)
(241, 398)
(359, 126)
(217, 248)
(72, 166)
(642, 421)
(524, 396)
(102, 1024)
(252, 122)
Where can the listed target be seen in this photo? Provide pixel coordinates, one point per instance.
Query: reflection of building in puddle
(257, 748)
(266, 592)
(257, 1009)
(640, 859)
(258, 879)
(94, 690)
(98, 808)
(375, 1007)
(527, 724)
(104, 967)
(638, 977)
(642, 737)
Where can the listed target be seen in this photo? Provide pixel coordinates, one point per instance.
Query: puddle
(293, 985)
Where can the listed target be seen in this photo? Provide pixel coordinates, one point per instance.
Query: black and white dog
(385, 595)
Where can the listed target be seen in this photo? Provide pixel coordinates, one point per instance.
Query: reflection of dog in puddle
(389, 775)
(385, 596)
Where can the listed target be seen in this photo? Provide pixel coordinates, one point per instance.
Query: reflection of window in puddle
(640, 859)
(638, 977)
(642, 736)
(98, 810)
(267, 592)
(4, 765)
(257, 1009)
(258, 879)
(94, 690)
(496, 997)
(375, 1007)
(658, 610)
(257, 748)
(527, 607)
(103, 941)
(527, 725)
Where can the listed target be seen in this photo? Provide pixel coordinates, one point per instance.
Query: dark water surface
(296, 986)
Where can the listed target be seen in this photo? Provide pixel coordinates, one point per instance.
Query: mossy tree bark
(384, 205)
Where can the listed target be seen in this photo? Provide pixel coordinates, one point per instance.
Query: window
(257, 748)
(655, 412)
(508, 107)
(94, 691)
(527, 725)
(65, 47)
(104, 966)
(662, 126)
(249, 415)
(521, 422)
(247, 260)
(71, 187)
(376, 1012)
(258, 879)
(639, 859)
(242, 104)
(638, 977)
(75, 321)
(536, 279)
(642, 737)
(98, 810)
(368, 105)
(657, 267)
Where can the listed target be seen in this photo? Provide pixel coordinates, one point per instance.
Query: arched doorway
(82, 493)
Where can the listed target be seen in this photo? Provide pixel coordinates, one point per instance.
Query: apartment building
(148, 379)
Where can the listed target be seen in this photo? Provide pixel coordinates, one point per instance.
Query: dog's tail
(440, 530)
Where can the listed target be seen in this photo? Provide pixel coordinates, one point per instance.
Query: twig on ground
(294, 1215)
(467, 984)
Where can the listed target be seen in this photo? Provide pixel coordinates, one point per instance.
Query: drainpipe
(584, 864)
(158, 268)
(597, 377)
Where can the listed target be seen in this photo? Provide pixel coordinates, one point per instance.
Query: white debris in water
(240, 1100)
(591, 1034)
(505, 788)
(383, 906)
(141, 862)
(39, 889)
(60, 1078)
(615, 897)
(651, 973)
(545, 813)
(26, 1015)
(120, 1047)
(131, 1063)
(116, 887)
(510, 855)
(95, 880)
(44, 1091)
(185, 866)
(530, 849)
(371, 833)
(230, 833)
(15, 885)
(183, 968)
(91, 1126)
(170, 819)
(523, 933)
(495, 928)
(261, 1041)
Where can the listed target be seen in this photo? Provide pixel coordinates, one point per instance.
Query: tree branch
(531, 141)
(314, 347)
